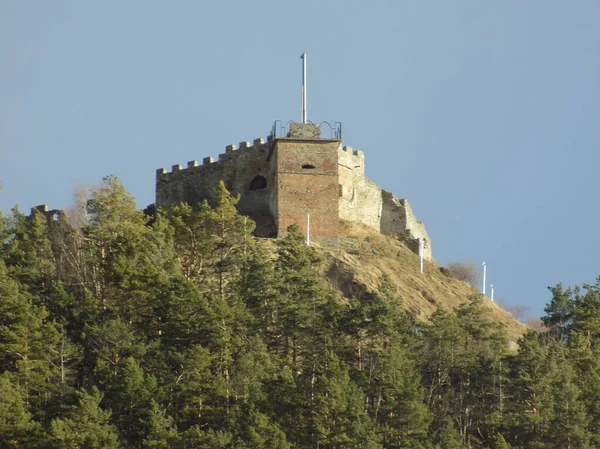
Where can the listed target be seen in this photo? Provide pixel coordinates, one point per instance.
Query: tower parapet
(304, 131)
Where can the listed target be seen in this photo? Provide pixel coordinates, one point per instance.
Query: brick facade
(307, 182)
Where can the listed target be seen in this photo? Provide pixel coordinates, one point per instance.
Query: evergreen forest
(181, 330)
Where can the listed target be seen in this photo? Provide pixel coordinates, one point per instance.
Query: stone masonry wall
(361, 200)
(237, 168)
(397, 218)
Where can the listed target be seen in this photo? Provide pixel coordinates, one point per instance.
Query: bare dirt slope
(366, 257)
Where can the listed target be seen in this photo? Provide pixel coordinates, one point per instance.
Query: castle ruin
(283, 179)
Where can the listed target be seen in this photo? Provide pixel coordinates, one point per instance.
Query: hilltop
(365, 257)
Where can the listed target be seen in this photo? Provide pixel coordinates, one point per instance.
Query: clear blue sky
(484, 114)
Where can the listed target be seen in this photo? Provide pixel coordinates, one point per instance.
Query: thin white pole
(492, 292)
(303, 87)
(484, 275)
(308, 228)
(421, 251)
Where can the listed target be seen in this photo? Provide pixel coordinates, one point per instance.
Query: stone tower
(306, 180)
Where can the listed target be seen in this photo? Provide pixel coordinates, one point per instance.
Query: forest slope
(120, 330)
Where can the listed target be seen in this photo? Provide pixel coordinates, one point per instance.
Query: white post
(421, 251)
(484, 274)
(308, 227)
(303, 87)
(492, 292)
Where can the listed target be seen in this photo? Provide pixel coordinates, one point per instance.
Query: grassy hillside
(366, 257)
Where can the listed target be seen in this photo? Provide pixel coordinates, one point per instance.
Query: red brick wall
(316, 189)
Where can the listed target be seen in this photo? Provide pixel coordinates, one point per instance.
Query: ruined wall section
(362, 201)
(360, 198)
(397, 218)
(237, 168)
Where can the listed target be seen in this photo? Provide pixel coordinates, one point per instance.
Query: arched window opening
(308, 166)
(259, 182)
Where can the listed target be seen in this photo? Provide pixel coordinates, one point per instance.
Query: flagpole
(303, 87)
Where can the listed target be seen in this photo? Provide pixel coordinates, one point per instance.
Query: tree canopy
(181, 330)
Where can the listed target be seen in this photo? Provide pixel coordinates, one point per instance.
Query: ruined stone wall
(237, 168)
(361, 200)
(307, 179)
(397, 218)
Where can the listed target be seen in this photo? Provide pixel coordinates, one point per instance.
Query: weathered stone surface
(281, 179)
(236, 168)
(361, 200)
(397, 218)
(304, 131)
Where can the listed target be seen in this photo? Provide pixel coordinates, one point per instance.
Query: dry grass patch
(374, 255)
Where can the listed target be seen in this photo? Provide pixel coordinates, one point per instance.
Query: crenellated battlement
(346, 150)
(231, 151)
(50, 214)
(351, 160)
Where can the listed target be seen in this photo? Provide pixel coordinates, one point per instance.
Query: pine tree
(257, 288)
(441, 346)
(108, 346)
(27, 252)
(87, 426)
(568, 423)
(586, 314)
(161, 432)
(251, 369)
(27, 341)
(586, 364)
(329, 408)
(559, 311)
(193, 241)
(17, 430)
(213, 245)
(500, 442)
(185, 317)
(397, 399)
(449, 438)
(232, 234)
(195, 437)
(480, 373)
(374, 321)
(531, 404)
(129, 394)
(257, 431)
(200, 395)
(211, 242)
(301, 300)
(128, 271)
